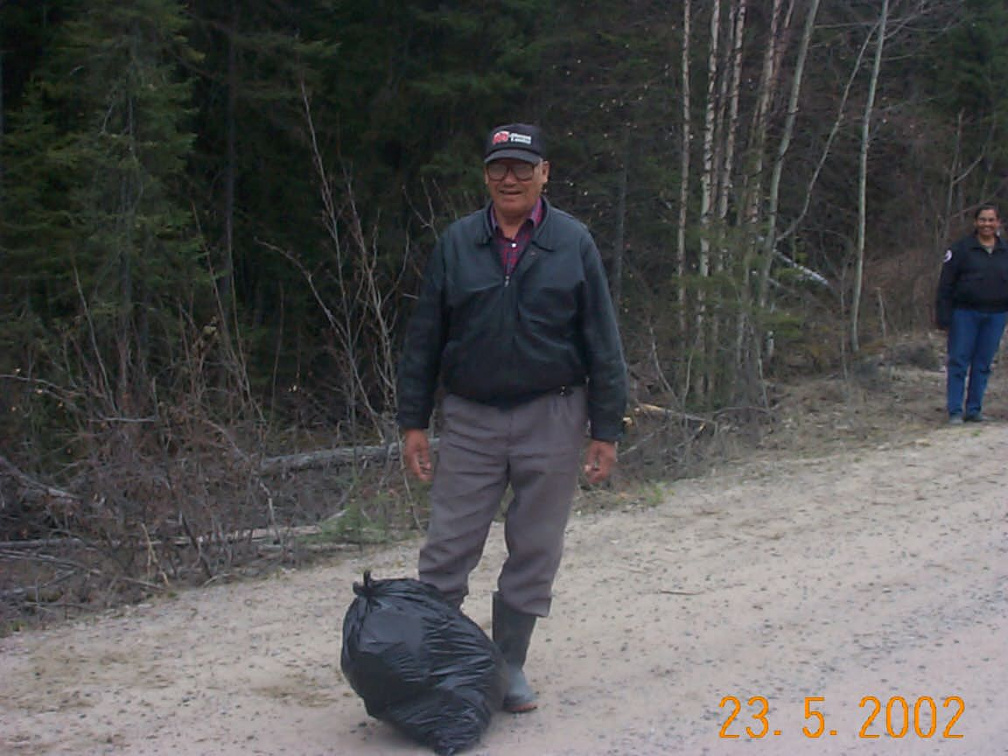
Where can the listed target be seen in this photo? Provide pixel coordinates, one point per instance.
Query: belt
(510, 402)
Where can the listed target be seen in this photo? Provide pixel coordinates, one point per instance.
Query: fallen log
(332, 457)
(34, 491)
(257, 536)
(653, 410)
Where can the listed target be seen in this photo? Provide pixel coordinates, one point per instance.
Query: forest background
(214, 215)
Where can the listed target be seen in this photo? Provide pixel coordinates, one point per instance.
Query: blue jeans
(973, 340)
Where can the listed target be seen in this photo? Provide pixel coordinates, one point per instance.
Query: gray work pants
(536, 448)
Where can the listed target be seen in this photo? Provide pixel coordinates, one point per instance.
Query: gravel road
(849, 583)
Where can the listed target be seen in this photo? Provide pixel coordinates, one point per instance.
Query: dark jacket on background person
(972, 279)
(502, 340)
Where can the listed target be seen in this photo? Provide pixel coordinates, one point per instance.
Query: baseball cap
(519, 141)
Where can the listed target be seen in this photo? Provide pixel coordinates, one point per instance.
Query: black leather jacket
(502, 341)
(972, 279)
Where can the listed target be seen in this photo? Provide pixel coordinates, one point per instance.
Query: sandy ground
(880, 571)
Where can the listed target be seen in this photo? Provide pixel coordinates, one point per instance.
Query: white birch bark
(707, 180)
(752, 178)
(834, 130)
(684, 167)
(773, 194)
(752, 186)
(728, 167)
(863, 177)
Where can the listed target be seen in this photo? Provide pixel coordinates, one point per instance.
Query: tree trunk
(728, 168)
(225, 275)
(684, 170)
(942, 233)
(2, 131)
(707, 186)
(752, 179)
(126, 218)
(731, 86)
(863, 179)
(3, 280)
(834, 130)
(773, 196)
(616, 274)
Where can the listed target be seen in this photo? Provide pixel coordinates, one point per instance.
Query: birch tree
(738, 15)
(707, 185)
(752, 186)
(684, 168)
(859, 250)
(773, 195)
(728, 137)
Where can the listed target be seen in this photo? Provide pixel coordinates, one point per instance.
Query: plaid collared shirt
(510, 250)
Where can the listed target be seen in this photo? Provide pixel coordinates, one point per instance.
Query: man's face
(514, 197)
(987, 223)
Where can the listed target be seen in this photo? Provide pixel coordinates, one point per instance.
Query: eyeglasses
(497, 170)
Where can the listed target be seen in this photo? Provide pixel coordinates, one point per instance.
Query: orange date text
(893, 717)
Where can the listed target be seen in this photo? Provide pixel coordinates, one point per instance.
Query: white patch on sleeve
(948, 255)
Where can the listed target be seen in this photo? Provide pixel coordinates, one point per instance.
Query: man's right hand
(416, 453)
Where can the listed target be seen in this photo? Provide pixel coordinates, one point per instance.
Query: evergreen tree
(96, 229)
(971, 68)
(401, 94)
(252, 172)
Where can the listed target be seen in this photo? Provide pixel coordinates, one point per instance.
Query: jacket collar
(999, 244)
(536, 216)
(542, 235)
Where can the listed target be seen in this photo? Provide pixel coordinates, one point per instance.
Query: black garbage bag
(420, 664)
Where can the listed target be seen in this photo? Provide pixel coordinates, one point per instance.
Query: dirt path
(882, 572)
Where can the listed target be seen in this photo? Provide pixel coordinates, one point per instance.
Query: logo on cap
(509, 136)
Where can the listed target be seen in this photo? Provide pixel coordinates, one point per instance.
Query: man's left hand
(599, 460)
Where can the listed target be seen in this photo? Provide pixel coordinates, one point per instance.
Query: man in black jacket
(972, 304)
(516, 319)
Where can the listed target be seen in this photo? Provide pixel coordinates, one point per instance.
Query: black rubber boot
(512, 631)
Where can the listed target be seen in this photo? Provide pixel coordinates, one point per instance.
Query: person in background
(516, 319)
(972, 305)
